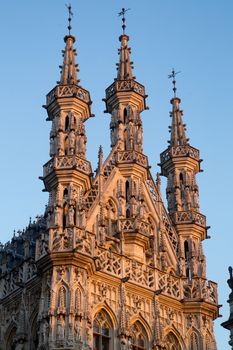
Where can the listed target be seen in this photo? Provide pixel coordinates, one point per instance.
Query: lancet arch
(139, 336)
(10, 336)
(103, 330)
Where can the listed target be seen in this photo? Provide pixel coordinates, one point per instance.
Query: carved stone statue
(60, 143)
(130, 136)
(71, 215)
(188, 198)
(77, 336)
(178, 199)
(102, 234)
(44, 331)
(139, 139)
(57, 216)
(60, 327)
(52, 147)
(81, 146)
(72, 142)
(196, 199)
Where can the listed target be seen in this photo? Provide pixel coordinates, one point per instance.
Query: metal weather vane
(173, 76)
(70, 17)
(122, 13)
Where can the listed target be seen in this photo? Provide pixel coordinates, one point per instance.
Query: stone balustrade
(131, 156)
(125, 85)
(67, 162)
(68, 91)
(179, 151)
(189, 217)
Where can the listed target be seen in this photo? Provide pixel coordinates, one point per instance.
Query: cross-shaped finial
(70, 17)
(173, 76)
(122, 13)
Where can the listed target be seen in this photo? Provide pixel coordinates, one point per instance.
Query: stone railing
(186, 289)
(71, 239)
(119, 266)
(170, 285)
(67, 162)
(132, 225)
(189, 217)
(179, 151)
(200, 288)
(68, 91)
(125, 85)
(106, 260)
(131, 156)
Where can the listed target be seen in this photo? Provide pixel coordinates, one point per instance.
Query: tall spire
(177, 129)
(69, 68)
(124, 70)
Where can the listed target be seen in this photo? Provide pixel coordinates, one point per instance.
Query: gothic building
(108, 266)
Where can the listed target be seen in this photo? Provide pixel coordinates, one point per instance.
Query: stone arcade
(107, 266)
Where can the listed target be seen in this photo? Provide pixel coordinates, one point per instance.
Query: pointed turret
(125, 100)
(180, 163)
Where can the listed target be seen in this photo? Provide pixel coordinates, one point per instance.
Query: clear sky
(194, 36)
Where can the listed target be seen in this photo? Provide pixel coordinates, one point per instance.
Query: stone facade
(107, 266)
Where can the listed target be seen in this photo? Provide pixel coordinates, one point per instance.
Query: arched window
(125, 115)
(186, 255)
(67, 123)
(193, 342)
(65, 212)
(65, 193)
(77, 300)
(186, 250)
(102, 332)
(127, 191)
(139, 337)
(172, 342)
(62, 297)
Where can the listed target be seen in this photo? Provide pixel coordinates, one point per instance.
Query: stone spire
(69, 67)
(178, 135)
(124, 71)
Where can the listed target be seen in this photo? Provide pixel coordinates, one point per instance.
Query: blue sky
(195, 37)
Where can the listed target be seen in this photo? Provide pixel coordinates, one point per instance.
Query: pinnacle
(69, 67)
(125, 65)
(177, 129)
